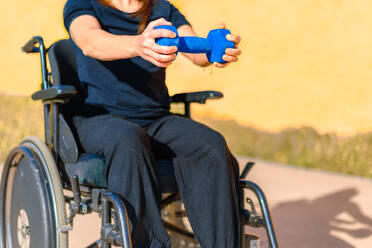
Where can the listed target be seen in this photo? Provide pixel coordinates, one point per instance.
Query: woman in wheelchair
(125, 118)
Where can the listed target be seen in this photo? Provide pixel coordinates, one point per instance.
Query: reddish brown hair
(143, 13)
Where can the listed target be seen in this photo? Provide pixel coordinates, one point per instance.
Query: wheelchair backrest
(63, 63)
(64, 72)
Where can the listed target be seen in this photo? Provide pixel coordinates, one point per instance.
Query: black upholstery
(55, 93)
(63, 63)
(64, 73)
(198, 97)
(68, 149)
(90, 165)
(90, 168)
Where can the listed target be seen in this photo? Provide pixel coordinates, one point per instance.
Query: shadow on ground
(322, 220)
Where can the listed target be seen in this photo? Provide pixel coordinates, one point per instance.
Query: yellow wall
(303, 63)
(20, 20)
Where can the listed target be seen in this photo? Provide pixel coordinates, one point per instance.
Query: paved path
(311, 209)
(316, 209)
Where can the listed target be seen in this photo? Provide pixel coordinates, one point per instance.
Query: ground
(310, 208)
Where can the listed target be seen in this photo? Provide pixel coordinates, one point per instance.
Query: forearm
(87, 33)
(95, 42)
(197, 59)
(231, 54)
(102, 45)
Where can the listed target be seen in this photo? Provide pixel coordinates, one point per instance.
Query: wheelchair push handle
(30, 46)
(214, 45)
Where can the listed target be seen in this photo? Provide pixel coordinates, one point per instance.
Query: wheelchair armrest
(54, 93)
(198, 97)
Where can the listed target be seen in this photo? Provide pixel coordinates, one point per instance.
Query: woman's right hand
(148, 49)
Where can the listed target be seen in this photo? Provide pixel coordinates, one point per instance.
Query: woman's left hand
(231, 54)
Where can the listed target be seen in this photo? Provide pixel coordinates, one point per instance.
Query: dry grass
(21, 117)
(303, 147)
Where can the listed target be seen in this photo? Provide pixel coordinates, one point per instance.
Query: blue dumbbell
(214, 45)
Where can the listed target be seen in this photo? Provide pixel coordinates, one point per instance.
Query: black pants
(205, 171)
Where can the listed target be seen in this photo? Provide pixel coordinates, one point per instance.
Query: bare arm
(197, 59)
(87, 33)
(201, 59)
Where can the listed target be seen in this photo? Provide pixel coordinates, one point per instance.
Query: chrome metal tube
(122, 216)
(264, 209)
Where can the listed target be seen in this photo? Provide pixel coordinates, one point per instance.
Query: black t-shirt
(133, 88)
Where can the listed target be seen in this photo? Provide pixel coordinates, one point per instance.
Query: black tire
(32, 209)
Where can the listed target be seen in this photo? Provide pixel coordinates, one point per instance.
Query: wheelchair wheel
(32, 208)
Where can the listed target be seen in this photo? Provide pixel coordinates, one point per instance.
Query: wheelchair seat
(90, 168)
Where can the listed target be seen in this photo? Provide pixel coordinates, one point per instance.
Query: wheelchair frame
(45, 158)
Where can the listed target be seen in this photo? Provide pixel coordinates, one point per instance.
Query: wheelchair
(40, 178)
